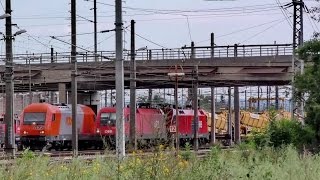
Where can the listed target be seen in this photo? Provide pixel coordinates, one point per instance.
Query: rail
(183, 53)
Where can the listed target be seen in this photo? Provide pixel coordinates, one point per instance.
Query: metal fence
(158, 54)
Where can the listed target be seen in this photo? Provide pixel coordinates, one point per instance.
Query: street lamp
(3, 16)
(94, 27)
(176, 75)
(21, 31)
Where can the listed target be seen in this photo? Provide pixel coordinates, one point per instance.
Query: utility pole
(298, 6)
(268, 100)
(133, 109)
(111, 96)
(277, 98)
(229, 117)
(177, 110)
(213, 117)
(105, 98)
(30, 82)
(213, 101)
(212, 45)
(120, 138)
(9, 133)
(237, 115)
(74, 78)
(95, 29)
(195, 109)
(192, 56)
(52, 61)
(258, 108)
(176, 75)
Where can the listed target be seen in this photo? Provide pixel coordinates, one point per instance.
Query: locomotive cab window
(108, 119)
(30, 118)
(53, 117)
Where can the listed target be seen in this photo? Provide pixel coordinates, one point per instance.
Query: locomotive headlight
(25, 132)
(41, 132)
(98, 131)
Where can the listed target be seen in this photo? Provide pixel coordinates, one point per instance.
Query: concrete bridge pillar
(91, 99)
(62, 93)
(51, 97)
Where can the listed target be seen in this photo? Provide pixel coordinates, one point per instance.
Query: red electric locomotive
(186, 124)
(43, 124)
(150, 125)
(3, 130)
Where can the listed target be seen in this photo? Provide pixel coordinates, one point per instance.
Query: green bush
(282, 133)
(266, 163)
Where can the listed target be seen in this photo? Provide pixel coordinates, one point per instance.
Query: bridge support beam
(237, 136)
(62, 93)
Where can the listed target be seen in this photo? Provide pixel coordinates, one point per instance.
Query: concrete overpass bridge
(219, 66)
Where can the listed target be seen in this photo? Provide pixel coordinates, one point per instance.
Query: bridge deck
(224, 66)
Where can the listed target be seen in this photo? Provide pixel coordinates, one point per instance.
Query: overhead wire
(284, 13)
(222, 14)
(311, 20)
(255, 35)
(240, 30)
(89, 47)
(238, 8)
(2, 6)
(312, 25)
(189, 15)
(189, 29)
(42, 43)
(107, 38)
(150, 41)
(85, 18)
(152, 19)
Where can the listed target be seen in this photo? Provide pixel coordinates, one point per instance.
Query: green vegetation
(307, 85)
(267, 163)
(283, 132)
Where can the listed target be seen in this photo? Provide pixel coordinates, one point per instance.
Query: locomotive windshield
(30, 118)
(108, 118)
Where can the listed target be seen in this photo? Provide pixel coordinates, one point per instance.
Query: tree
(309, 83)
(158, 99)
(205, 102)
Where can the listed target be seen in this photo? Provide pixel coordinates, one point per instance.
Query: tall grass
(284, 163)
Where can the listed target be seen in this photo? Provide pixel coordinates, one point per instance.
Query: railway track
(89, 155)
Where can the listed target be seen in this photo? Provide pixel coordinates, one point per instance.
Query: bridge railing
(184, 53)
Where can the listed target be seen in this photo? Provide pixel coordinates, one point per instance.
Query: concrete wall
(21, 100)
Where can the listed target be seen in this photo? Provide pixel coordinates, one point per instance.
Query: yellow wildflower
(161, 147)
(120, 168)
(166, 171)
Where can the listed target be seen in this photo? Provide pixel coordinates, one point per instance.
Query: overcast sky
(167, 23)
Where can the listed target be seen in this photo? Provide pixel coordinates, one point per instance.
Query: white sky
(169, 23)
(44, 18)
